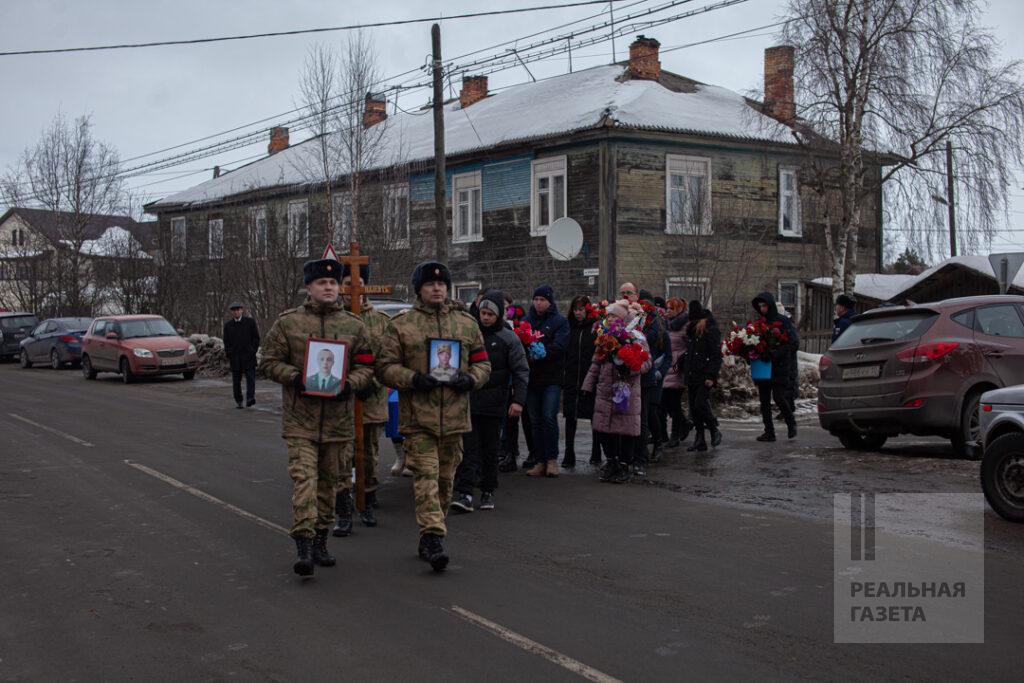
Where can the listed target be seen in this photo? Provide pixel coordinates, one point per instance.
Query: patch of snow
(563, 104)
(979, 264)
(115, 242)
(880, 286)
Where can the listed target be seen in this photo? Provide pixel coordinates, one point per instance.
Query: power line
(274, 34)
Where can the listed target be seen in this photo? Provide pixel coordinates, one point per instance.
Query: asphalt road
(141, 530)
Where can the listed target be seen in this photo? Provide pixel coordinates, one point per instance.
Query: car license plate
(863, 372)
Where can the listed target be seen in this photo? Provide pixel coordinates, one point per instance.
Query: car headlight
(191, 349)
(142, 353)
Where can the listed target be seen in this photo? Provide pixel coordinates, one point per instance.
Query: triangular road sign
(1005, 267)
(329, 252)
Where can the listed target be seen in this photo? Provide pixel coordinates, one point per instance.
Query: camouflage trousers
(433, 462)
(371, 458)
(315, 470)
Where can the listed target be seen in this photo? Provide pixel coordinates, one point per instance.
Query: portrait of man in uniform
(325, 367)
(445, 355)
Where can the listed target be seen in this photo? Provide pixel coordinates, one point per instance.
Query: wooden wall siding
(505, 182)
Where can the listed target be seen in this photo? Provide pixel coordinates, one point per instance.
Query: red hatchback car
(920, 369)
(135, 346)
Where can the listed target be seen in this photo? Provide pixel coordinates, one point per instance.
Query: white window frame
(259, 233)
(797, 220)
(475, 286)
(298, 236)
(799, 292)
(341, 235)
(215, 226)
(677, 165)
(179, 250)
(391, 193)
(688, 281)
(469, 183)
(551, 168)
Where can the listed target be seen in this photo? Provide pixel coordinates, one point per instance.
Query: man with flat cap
(375, 416)
(241, 342)
(432, 416)
(319, 431)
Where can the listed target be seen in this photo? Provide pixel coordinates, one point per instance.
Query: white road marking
(207, 497)
(564, 661)
(65, 435)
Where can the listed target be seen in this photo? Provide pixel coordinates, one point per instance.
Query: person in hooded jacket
(702, 363)
(545, 391)
(675, 381)
(616, 430)
(490, 405)
(845, 308)
(784, 360)
(578, 355)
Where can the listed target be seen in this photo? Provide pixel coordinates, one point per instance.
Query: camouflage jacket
(406, 351)
(375, 408)
(323, 420)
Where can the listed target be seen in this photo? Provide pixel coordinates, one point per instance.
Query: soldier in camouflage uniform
(432, 417)
(375, 416)
(319, 431)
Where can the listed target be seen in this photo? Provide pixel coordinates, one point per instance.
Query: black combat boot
(319, 553)
(369, 503)
(699, 444)
(343, 514)
(304, 564)
(716, 436)
(432, 551)
(767, 437)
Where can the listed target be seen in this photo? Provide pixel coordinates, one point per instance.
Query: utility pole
(440, 226)
(611, 16)
(949, 198)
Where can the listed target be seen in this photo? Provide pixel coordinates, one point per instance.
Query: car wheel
(1002, 476)
(55, 360)
(87, 370)
(25, 362)
(126, 372)
(970, 426)
(862, 442)
(189, 375)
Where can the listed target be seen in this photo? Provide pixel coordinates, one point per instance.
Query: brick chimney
(474, 89)
(778, 83)
(375, 110)
(278, 139)
(643, 59)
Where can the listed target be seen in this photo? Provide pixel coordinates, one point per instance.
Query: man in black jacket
(241, 342)
(489, 405)
(544, 394)
(784, 361)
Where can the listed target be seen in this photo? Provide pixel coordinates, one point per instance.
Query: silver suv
(1002, 445)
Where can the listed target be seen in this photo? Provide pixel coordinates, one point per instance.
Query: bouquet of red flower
(755, 341)
(615, 339)
(651, 313)
(515, 313)
(596, 312)
(530, 338)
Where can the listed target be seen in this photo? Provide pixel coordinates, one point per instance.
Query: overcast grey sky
(144, 100)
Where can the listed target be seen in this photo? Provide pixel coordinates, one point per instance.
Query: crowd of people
(639, 368)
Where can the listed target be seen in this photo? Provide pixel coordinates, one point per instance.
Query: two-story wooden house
(684, 188)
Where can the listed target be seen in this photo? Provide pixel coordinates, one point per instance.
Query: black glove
(422, 382)
(368, 392)
(345, 393)
(298, 383)
(464, 382)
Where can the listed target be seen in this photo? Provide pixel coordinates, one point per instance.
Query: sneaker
(639, 471)
(486, 501)
(462, 502)
(766, 437)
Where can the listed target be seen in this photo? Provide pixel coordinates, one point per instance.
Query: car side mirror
(113, 335)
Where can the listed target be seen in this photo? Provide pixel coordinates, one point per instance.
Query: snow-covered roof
(979, 264)
(115, 242)
(559, 105)
(880, 286)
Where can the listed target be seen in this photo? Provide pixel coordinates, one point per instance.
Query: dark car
(1002, 443)
(55, 342)
(920, 369)
(13, 328)
(135, 346)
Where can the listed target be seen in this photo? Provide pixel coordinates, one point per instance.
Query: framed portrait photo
(326, 367)
(444, 356)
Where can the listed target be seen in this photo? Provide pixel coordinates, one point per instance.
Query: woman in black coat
(577, 359)
(784, 368)
(703, 362)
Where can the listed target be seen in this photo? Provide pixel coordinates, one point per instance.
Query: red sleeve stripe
(364, 358)
(478, 356)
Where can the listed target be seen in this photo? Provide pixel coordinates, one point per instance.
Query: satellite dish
(565, 239)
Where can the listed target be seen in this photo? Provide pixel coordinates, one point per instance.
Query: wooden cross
(355, 292)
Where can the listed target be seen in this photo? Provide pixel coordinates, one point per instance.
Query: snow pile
(212, 361)
(879, 286)
(115, 242)
(735, 396)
